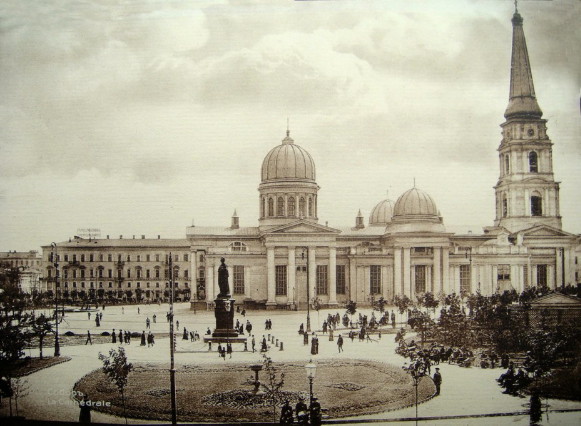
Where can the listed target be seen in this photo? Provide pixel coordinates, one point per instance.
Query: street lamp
(308, 290)
(172, 370)
(311, 368)
(54, 259)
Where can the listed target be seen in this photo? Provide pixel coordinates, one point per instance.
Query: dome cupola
(381, 213)
(288, 161)
(288, 190)
(415, 211)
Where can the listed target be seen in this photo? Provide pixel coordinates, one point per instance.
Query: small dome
(288, 161)
(415, 202)
(381, 213)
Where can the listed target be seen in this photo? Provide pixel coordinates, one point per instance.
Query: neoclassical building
(289, 258)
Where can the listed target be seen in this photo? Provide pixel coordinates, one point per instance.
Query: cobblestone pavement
(465, 391)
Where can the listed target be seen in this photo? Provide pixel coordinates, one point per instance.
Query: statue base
(224, 312)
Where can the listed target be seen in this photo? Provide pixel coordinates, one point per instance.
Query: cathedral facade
(289, 259)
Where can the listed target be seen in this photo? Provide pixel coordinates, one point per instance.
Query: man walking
(88, 338)
(437, 380)
(340, 343)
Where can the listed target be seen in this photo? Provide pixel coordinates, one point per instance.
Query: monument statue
(223, 280)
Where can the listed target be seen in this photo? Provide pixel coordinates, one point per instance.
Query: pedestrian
(437, 380)
(138, 310)
(264, 348)
(305, 339)
(301, 328)
(88, 338)
(113, 337)
(123, 310)
(229, 349)
(192, 337)
(120, 336)
(219, 349)
(248, 327)
(243, 312)
(143, 338)
(100, 316)
(314, 344)
(340, 343)
(154, 318)
(315, 412)
(178, 325)
(301, 411)
(331, 336)
(147, 323)
(286, 414)
(89, 315)
(253, 344)
(85, 406)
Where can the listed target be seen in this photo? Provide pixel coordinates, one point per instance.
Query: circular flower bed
(224, 393)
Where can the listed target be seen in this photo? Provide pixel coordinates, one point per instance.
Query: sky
(143, 117)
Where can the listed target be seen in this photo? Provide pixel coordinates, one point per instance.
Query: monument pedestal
(224, 312)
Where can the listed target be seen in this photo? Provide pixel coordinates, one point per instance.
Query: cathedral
(289, 259)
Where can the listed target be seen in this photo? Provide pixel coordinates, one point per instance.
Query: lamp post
(54, 259)
(172, 370)
(308, 290)
(311, 368)
(468, 255)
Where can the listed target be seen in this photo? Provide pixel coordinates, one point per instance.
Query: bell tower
(526, 192)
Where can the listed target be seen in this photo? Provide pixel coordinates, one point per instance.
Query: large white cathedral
(289, 258)
(405, 249)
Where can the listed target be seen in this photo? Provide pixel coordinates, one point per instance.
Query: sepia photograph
(290, 211)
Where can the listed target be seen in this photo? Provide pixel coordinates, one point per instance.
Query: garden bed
(215, 393)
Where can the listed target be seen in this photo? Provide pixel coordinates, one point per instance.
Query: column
(193, 276)
(406, 272)
(397, 285)
(312, 273)
(231, 279)
(271, 284)
(551, 276)
(569, 266)
(437, 277)
(384, 283)
(216, 287)
(515, 277)
(546, 203)
(291, 276)
(445, 270)
(429, 286)
(332, 276)
(527, 209)
(558, 266)
(494, 278)
(209, 281)
(352, 279)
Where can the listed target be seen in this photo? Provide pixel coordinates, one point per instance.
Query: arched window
(301, 207)
(270, 207)
(310, 207)
(237, 246)
(291, 206)
(536, 204)
(263, 211)
(280, 206)
(533, 162)
(504, 206)
(507, 164)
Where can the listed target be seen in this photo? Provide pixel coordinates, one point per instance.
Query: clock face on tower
(531, 132)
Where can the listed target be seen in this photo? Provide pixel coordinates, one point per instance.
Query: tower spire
(522, 99)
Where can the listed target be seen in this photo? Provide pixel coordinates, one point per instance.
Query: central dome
(288, 161)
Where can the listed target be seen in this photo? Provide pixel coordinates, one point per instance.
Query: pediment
(302, 227)
(544, 231)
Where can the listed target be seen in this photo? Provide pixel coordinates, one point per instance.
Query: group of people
(304, 415)
(268, 324)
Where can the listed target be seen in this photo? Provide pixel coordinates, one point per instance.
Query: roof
(288, 161)
(369, 231)
(415, 202)
(249, 231)
(556, 300)
(123, 242)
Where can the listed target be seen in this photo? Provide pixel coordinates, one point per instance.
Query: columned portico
(406, 272)
(209, 283)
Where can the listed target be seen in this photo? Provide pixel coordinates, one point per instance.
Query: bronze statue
(223, 280)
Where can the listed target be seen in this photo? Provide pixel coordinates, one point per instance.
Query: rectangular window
(526, 275)
(185, 273)
(100, 273)
(109, 258)
(148, 258)
(110, 284)
(74, 257)
(129, 273)
(74, 273)
(420, 277)
(129, 258)
(280, 279)
(138, 273)
(66, 273)
(157, 273)
(465, 279)
(147, 273)
(340, 279)
(91, 258)
(157, 257)
(176, 258)
(109, 272)
(82, 257)
(82, 273)
(66, 257)
(185, 257)
(322, 279)
(374, 279)
(139, 258)
(238, 279)
(541, 275)
(503, 272)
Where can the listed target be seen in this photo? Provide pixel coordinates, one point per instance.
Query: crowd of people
(304, 415)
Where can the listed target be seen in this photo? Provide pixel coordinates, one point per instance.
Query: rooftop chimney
(235, 222)
(359, 221)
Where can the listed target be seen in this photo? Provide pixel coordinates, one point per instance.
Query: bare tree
(117, 368)
(273, 385)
